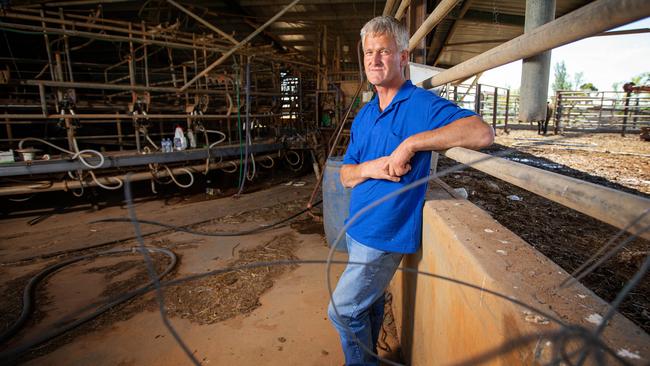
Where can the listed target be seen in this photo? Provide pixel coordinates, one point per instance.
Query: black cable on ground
(153, 276)
(28, 299)
(565, 331)
(33, 282)
(196, 232)
(166, 226)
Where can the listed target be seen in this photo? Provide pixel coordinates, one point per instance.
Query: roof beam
(487, 17)
(303, 2)
(463, 11)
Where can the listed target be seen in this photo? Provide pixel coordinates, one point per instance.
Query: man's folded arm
(469, 132)
(353, 174)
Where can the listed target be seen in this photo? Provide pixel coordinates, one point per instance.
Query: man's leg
(377, 319)
(357, 296)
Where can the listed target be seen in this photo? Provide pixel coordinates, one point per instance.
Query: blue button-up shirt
(394, 225)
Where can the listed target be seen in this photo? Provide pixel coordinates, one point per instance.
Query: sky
(603, 60)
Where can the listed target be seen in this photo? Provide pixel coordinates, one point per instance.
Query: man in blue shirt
(390, 146)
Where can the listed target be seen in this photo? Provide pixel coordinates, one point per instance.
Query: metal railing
(606, 111)
(497, 105)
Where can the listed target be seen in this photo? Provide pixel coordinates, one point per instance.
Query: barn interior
(179, 160)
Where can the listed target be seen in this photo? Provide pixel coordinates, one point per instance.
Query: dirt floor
(276, 315)
(564, 235)
(271, 315)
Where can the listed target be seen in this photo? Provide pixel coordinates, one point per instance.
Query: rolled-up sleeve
(352, 154)
(443, 112)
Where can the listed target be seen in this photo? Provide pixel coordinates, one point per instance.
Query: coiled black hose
(28, 300)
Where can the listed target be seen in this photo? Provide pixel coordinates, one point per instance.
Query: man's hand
(378, 169)
(353, 174)
(399, 160)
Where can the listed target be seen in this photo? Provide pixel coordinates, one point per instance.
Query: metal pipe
(73, 24)
(41, 93)
(336, 140)
(608, 205)
(226, 55)
(9, 131)
(494, 109)
(388, 7)
(402, 9)
(39, 187)
(128, 116)
(625, 112)
(100, 86)
(589, 20)
(145, 55)
(120, 136)
(175, 45)
(204, 22)
(83, 85)
(122, 160)
(80, 2)
(47, 48)
(505, 128)
(90, 23)
(438, 14)
(66, 48)
(100, 36)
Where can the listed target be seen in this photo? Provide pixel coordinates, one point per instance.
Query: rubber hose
(28, 296)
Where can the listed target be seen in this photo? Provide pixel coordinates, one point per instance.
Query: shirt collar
(404, 92)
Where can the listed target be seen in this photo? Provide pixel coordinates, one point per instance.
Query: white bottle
(192, 140)
(180, 142)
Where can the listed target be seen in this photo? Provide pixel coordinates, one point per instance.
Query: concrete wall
(441, 322)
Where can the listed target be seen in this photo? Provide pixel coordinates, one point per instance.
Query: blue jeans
(359, 299)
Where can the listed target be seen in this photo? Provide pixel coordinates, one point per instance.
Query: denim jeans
(359, 299)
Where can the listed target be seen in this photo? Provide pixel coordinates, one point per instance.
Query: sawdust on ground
(223, 296)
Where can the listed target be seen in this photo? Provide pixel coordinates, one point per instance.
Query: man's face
(382, 61)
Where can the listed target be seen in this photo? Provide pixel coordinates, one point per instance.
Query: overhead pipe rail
(589, 20)
(146, 95)
(127, 32)
(608, 205)
(122, 161)
(41, 186)
(622, 210)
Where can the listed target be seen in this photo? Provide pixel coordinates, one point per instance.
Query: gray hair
(389, 26)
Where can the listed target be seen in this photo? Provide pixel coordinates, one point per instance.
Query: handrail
(622, 210)
(586, 21)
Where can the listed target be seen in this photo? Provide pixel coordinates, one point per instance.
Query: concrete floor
(289, 328)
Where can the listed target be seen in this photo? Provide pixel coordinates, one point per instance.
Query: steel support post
(535, 69)
(589, 20)
(505, 127)
(494, 109)
(625, 113)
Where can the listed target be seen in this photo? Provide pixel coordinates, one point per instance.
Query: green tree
(642, 79)
(561, 81)
(588, 87)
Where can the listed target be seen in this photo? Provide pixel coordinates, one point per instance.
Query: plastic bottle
(191, 139)
(178, 138)
(183, 141)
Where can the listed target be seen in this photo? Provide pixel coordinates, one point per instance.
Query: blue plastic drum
(336, 202)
